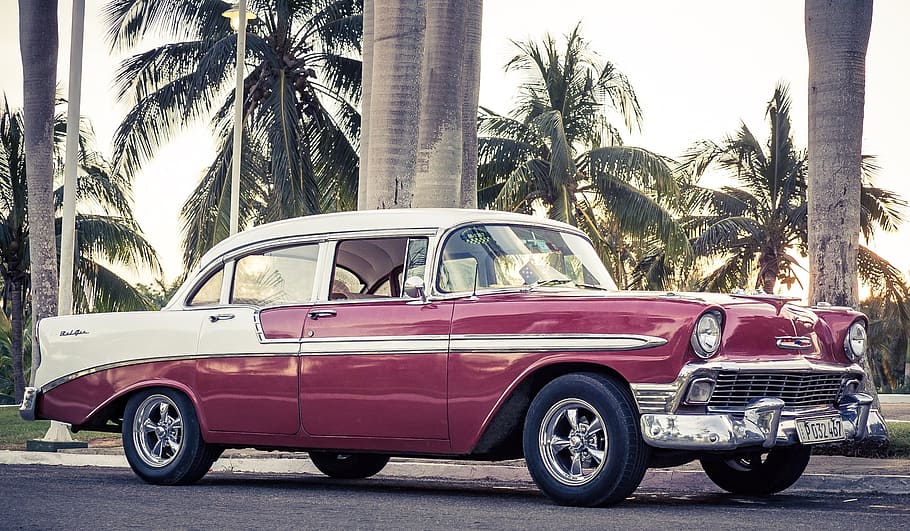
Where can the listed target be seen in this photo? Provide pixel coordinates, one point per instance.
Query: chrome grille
(798, 389)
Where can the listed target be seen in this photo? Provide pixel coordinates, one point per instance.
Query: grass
(14, 432)
(899, 432)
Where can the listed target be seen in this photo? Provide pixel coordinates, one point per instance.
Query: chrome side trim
(464, 343)
(420, 344)
(139, 361)
(337, 346)
(552, 343)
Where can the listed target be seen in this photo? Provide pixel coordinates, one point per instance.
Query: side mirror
(415, 289)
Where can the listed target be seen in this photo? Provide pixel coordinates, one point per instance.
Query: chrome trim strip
(784, 365)
(552, 342)
(337, 346)
(139, 361)
(418, 344)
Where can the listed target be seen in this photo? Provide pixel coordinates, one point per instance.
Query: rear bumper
(29, 403)
(764, 423)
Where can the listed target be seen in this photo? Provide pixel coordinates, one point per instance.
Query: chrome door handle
(221, 317)
(318, 314)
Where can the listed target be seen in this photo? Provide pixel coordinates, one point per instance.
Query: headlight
(706, 336)
(855, 342)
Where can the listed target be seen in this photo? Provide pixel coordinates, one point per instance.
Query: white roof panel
(369, 220)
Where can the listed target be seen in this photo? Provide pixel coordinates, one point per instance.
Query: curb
(655, 479)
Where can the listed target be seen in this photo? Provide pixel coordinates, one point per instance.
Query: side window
(210, 292)
(278, 276)
(373, 268)
(416, 263)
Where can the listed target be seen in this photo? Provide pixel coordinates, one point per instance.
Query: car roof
(437, 219)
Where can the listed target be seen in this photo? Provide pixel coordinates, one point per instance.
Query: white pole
(59, 431)
(238, 117)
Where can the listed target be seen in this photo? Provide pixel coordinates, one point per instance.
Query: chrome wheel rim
(158, 431)
(573, 442)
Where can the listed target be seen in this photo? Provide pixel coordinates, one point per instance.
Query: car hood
(756, 327)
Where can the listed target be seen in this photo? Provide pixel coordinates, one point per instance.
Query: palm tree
(889, 341)
(752, 229)
(38, 44)
(558, 148)
(837, 35)
(106, 234)
(302, 85)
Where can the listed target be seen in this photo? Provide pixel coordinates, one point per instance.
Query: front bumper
(29, 403)
(765, 423)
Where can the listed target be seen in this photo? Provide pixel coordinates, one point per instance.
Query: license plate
(820, 430)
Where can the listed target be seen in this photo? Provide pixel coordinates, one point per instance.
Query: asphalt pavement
(825, 473)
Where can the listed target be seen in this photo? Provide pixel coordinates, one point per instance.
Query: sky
(699, 68)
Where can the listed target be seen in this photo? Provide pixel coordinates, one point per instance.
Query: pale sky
(699, 68)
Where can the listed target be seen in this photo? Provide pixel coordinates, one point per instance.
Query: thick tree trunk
(471, 79)
(367, 53)
(837, 35)
(440, 142)
(397, 51)
(419, 115)
(38, 45)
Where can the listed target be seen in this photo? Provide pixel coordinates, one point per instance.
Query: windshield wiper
(592, 286)
(550, 282)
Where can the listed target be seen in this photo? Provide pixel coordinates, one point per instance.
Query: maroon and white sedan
(457, 333)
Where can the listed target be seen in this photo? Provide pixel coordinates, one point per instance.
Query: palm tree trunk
(38, 46)
(16, 324)
(367, 58)
(397, 50)
(471, 94)
(837, 35)
(439, 142)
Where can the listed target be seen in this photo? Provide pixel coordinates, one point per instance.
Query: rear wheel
(162, 439)
(759, 474)
(348, 466)
(582, 443)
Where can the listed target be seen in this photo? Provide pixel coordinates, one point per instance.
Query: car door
(248, 367)
(373, 363)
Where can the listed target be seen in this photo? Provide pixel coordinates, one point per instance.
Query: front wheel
(582, 443)
(759, 474)
(348, 466)
(162, 439)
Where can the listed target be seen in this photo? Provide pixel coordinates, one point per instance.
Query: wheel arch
(108, 416)
(501, 436)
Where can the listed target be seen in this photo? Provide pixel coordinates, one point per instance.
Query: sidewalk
(829, 474)
(895, 407)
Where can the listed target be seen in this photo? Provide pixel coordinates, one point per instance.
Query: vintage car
(457, 333)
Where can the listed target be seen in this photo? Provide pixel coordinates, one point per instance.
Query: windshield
(507, 256)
